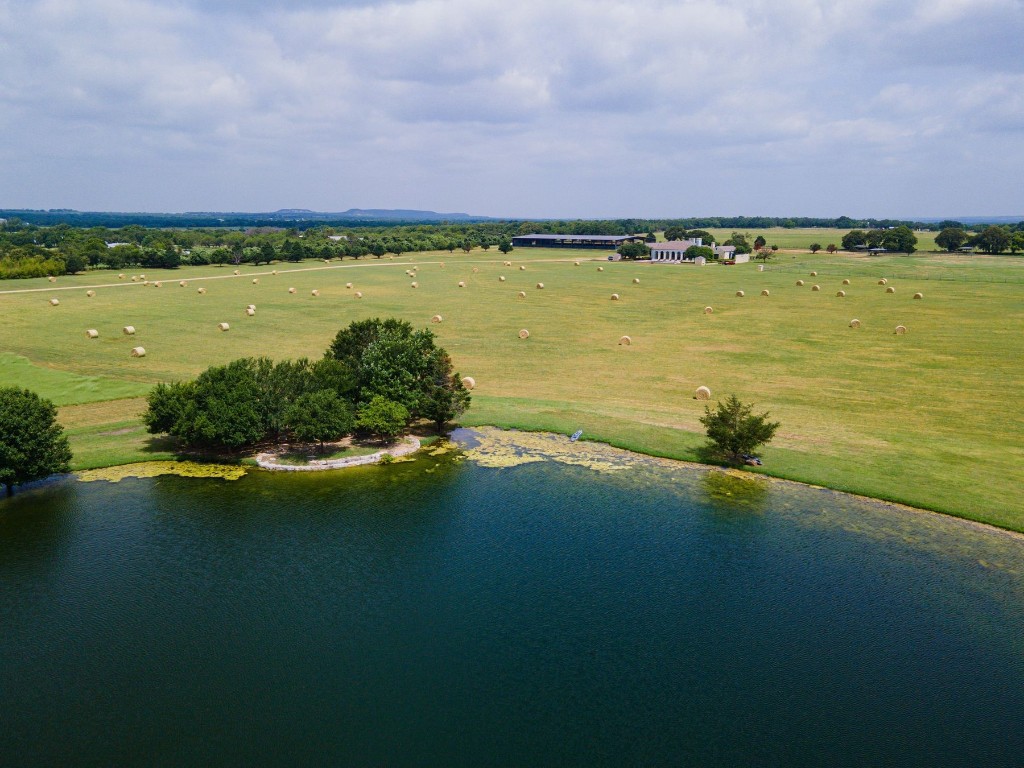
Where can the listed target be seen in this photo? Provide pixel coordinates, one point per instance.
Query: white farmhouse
(674, 252)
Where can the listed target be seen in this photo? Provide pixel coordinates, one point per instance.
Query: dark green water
(536, 615)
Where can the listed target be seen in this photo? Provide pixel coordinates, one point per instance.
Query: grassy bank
(927, 419)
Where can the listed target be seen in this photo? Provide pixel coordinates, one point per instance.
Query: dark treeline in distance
(29, 249)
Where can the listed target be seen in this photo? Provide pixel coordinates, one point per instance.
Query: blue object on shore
(576, 435)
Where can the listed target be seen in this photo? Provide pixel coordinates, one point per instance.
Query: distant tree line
(32, 250)
(378, 376)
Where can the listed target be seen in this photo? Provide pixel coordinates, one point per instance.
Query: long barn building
(601, 242)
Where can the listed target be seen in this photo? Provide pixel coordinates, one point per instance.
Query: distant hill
(285, 217)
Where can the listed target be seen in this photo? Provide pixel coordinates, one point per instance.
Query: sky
(532, 108)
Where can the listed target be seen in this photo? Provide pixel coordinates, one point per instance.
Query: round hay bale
(576, 263)
(274, 273)
(765, 292)
(442, 265)
(508, 263)
(92, 333)
(327, 261)
(890, 289)
(702, 393)
(615, 297)
(709, 310)
(250, 306)
(408, 273)
(600, 269)
(636, 281)
(625, 341)
(146, 283)
(840, 294)
(121, 276)
(314, 292)
(250, 311)
(468, 382)
(291, 290)
(52, 279)
(238, 272)
(358, 294)
(54, 302)
(918, 295)
(201, 291)
(540, 286)
(142, 277)
(436, 319)
(183, 284)
(414, 284)
(524, 334)
(348, 285)
(255, 281)
(90, 294)
(138, 351)
(501, 278)
(846, 281)
(156, 284)
(900, 330)
(522, 294)
(128, 330)
(462, 283)
(814, 274)
(800, 283)
(475, 270)
(855, 323)
(815, 287)
(135, 278)
(522, 267)
(883, 281)
(224, 326)
(741, 294)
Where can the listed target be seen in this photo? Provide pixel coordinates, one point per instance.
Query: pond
(508, 608)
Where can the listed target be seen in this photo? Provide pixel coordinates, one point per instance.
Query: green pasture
(929, 418)
(801, 239)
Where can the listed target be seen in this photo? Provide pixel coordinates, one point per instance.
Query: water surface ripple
(441, 612)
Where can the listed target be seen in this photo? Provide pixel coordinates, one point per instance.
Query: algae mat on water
(158, 468)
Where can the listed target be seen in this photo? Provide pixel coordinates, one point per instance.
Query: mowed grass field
(801, 239)
(931, 418)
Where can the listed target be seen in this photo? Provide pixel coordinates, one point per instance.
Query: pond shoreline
(268, 459)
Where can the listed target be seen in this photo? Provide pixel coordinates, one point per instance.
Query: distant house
(674, 252)
(602, 242)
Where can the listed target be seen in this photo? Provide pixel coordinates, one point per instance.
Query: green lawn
(928, 418)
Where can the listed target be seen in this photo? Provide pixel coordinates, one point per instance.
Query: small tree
(504, 245)
(759, 242)
(382, 417)
(815, 247)
(831, 248)
(634, 251)
(734, 429)
(32, 443)
(699, 250)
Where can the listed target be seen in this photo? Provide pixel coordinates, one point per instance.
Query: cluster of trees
(900, 239)
(32, 443)
(378, 376)
(992, 239)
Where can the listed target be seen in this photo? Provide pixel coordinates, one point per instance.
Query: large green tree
(32, 443)
(444, 396)
(735, 430)
(951, 238)
(993, 239)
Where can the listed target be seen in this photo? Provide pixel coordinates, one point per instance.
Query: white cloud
(527, 108)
